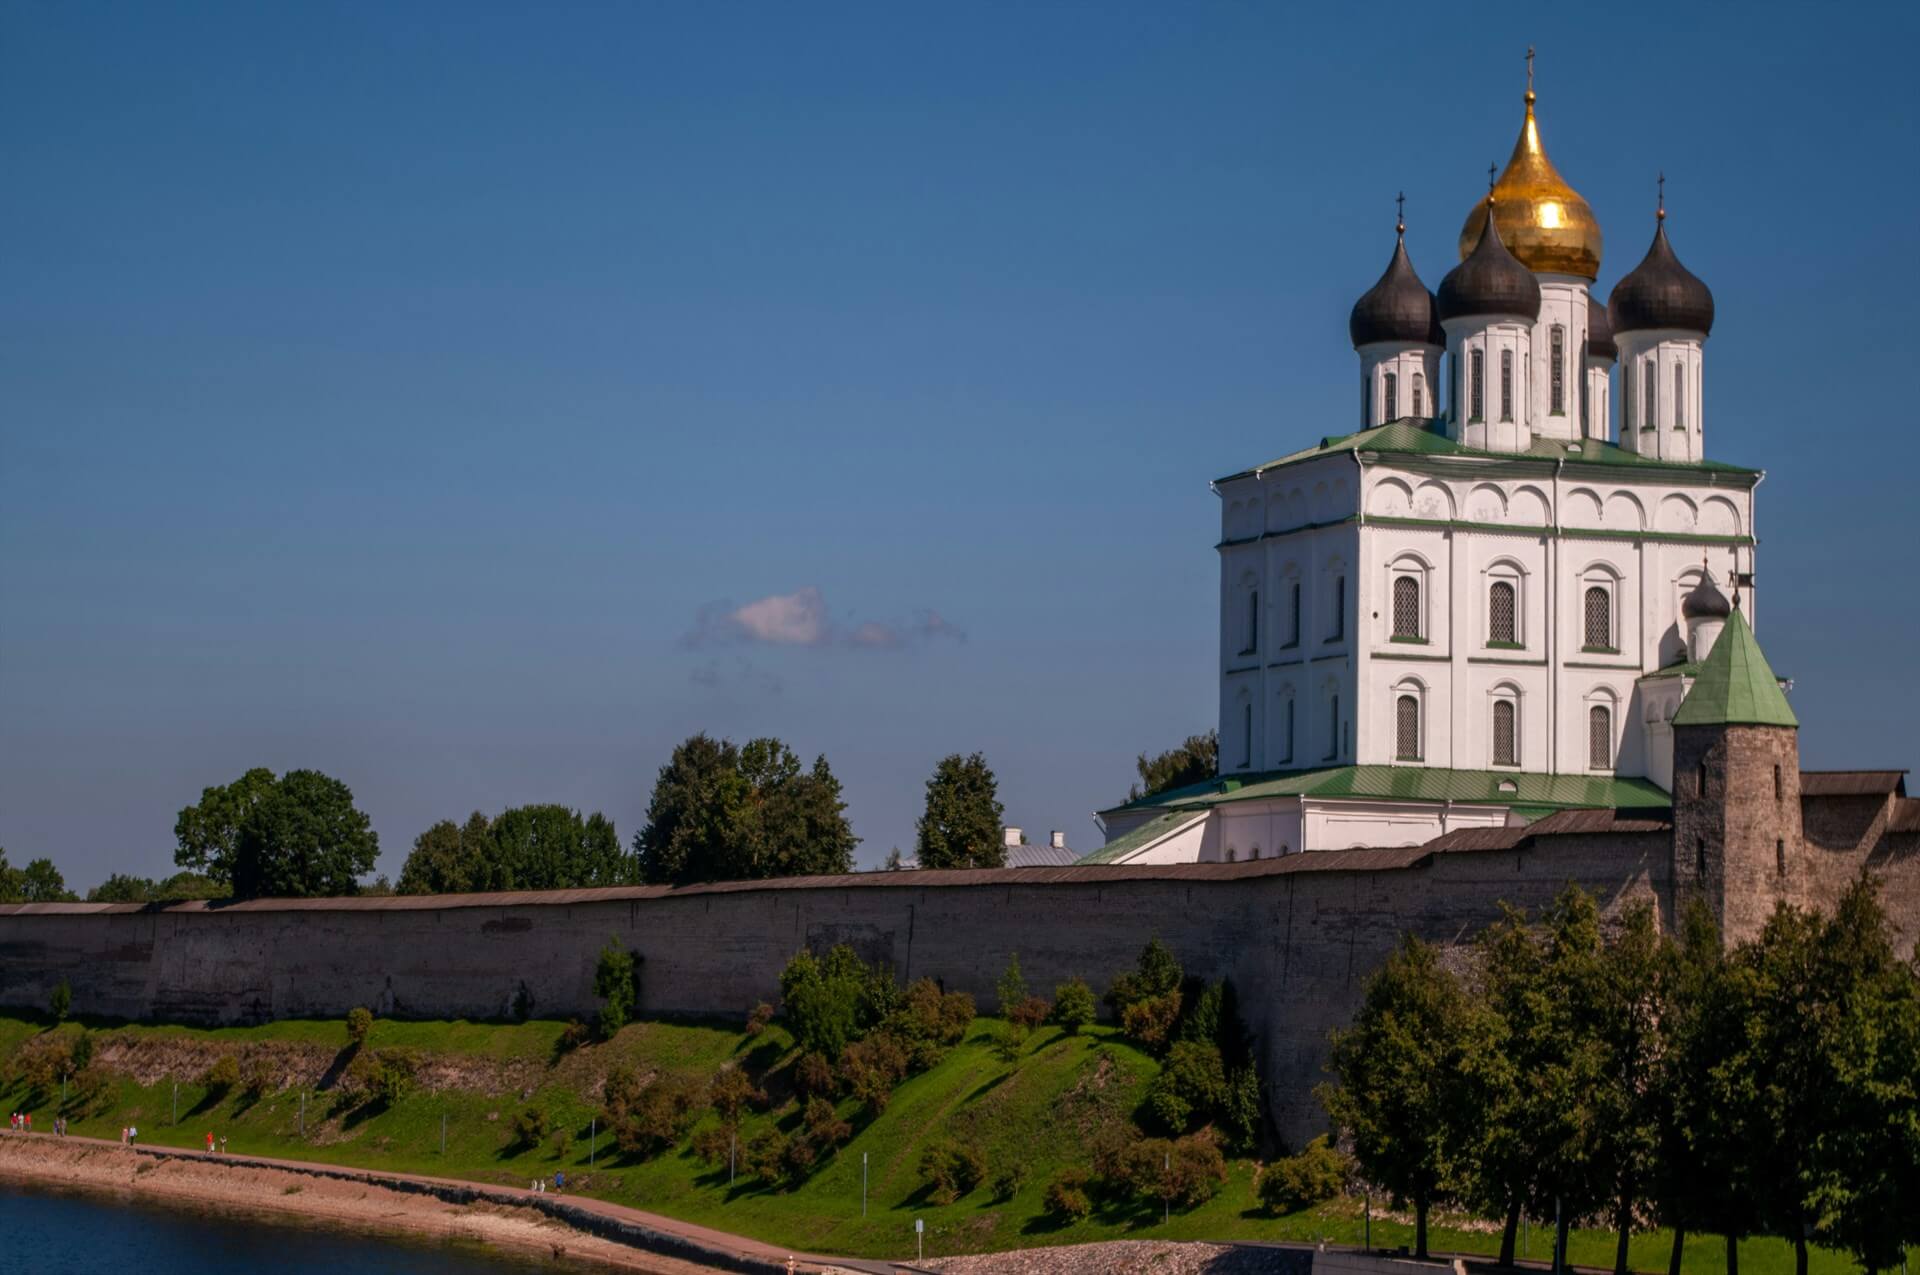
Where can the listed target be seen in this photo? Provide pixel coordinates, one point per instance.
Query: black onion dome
(1398, 308)
(1600, 332)
(1489, 281)
(1705, 602)
(1660, 293)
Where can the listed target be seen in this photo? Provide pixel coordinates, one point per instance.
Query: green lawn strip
(1014, 1112)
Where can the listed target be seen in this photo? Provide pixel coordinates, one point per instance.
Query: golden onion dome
(1543, 221)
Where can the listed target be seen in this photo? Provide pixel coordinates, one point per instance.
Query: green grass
(1036, 1112)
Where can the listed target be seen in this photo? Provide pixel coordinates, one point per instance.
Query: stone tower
(1736, 787)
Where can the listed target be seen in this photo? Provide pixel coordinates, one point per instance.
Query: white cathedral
(1483, 606)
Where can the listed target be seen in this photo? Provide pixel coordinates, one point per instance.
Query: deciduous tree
(961, 826)
(1195, 760)
(720, 813)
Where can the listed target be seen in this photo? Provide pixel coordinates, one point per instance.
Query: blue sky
(418, 392)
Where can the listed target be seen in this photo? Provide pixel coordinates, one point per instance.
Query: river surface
(62, 1233)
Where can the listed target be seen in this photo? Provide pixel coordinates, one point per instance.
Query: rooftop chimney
(1012, 836)
(1058, 840)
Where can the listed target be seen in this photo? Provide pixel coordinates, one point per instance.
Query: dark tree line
(1770, 1088)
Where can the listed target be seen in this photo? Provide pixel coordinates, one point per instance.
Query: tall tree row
(1615, 1076)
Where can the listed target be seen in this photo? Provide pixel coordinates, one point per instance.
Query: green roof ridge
(1418, 783)
(1736, 686)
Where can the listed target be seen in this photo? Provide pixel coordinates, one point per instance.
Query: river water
(60, 1233)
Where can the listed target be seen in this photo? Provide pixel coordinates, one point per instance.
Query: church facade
(1489, 602)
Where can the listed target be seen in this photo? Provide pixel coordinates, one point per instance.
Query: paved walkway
(637, 1227)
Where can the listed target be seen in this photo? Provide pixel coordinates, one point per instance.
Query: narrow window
(1420, 394)
(1700, 854)
(1679, 396)
(1651, 386)
(1599, 737)
(1778, 790)
(1366, 404)
(1393, 397)
(1293, 610)
(1599, 615)
(1780, 857)
(1503, 619)
(1339, 609)
(1253, 621)
(1333, 727)
(1506, 746)
(1506, 385)
(1406, 728)
(1557, 378)
(1406, 607)
(1476, 387)
(1584, 396)
(1700, 781)
(1246, 736)
(1286, 739)
(1626, 401)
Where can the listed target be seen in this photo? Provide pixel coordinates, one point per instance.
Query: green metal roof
(1735, 687)
(1407, 437)
(1146, 834)
(1420, 783)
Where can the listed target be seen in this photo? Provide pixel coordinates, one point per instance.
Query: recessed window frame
(1557, 377)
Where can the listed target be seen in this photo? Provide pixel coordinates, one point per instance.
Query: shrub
(1012, 987)
(259, 1077)
(813, 1076)
(1240, 1108)
(1156, 974)
(952, 1169)
(222, 1076)
(61, 1001)
(1179, 1174)
(956, 1016)
(798, 1160)
(824, 1126)
(659, 1117)
(1151, 1020)
(530, 1126)
(616, 980)
(765, 1155)
(622, 1090)
(832, 1001)
(731, 1091)
(1300, 1181)
(870, 1068)
(1030, 1013)
(1073, 1006)
(562, 1143)
(359, 1024)
(1066, 1195)
(757, 1021)
(80, 1056)
(393, 1075)
(522, 1004)
(1008, 1042)
(572, 1036)
(1191, 1087)
(1008, 1181)
(1202, 1019)
(715, 1142)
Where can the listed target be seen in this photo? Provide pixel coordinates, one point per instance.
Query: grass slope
(1037, 1113)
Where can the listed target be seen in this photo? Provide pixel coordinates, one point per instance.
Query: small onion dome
(1489, 281)
(1660, 293)
(1398, 308)
(1705, 602)
(1600, 332)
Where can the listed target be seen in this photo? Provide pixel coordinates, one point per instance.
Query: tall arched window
(1476, 387)
(1600, 737)
(1420, 394)
(1293, 614)
(1557, 381)
(1406, 728)
(1366, 403)
(1651, 387)
(1598, 609)
(1286, 733)
(1627, 400)
(1253, 620)
(1333, 726)
(1679, 396)
(1393, 396)
(1506, 385)
(1246, 736)
(1503, 613)
(1406, 606)
(1506, 734)
(1339, 629)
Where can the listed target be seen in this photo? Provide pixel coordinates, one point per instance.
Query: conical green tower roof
(1735, 687)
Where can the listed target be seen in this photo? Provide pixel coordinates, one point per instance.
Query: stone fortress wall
(1298, 935)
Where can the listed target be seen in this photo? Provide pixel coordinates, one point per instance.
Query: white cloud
(800, 619)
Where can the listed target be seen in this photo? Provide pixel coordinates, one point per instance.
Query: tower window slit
(1393, 396)
(1419, 394)
(1557, 379)
(1680, 396)
(1506, 385)
(1651, 385)
(1476, 387)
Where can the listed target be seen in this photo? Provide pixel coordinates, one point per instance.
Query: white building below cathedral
(1484, 606)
